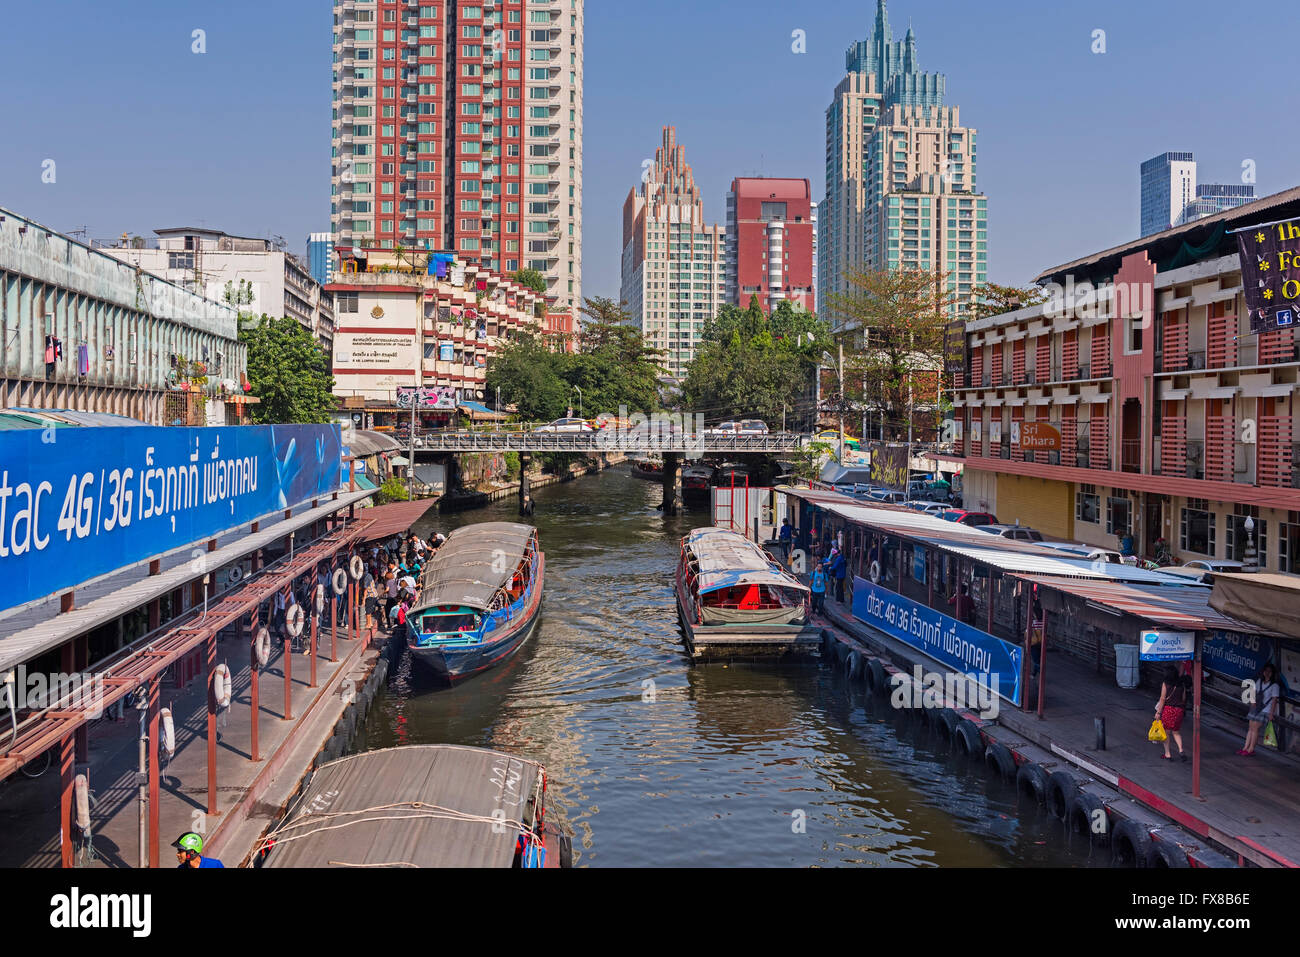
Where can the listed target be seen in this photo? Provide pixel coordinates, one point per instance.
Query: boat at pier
(736, 602)
(480, 599)
(438, 805)
(732, 473)
(697, 480)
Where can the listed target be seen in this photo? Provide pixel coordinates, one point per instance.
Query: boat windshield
(452, 622)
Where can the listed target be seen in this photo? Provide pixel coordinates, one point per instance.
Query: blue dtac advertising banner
(989, 660)
(78, 503)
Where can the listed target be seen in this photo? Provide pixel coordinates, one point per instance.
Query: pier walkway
(1248, 807)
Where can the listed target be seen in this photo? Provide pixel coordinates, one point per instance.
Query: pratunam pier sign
(1270, 274)
(79, 503)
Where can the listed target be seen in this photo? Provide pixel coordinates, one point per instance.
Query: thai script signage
(79, 503)
(986, 658)
(1167, 645)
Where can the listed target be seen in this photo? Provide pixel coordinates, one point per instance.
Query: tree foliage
(613, 367)
(530, 279)
(289, 372)
(748, 364)
(893, 333)
(993, 300)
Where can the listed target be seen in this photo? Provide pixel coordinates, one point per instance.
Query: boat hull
(454, 664)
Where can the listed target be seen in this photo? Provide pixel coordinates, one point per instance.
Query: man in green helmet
(189, 852)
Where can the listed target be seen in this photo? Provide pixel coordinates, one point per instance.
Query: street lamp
(579, 391)
(839, 371)
(1251, 560)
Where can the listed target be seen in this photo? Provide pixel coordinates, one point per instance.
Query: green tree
(992, 300)
(289, 371)
(893, 333)
(530, 279)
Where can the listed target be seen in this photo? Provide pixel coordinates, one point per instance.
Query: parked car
(1218, 565)
(963, 517)
(566, 425)
(928, 507)
(724, 428)
(1083, 550)
(1019, 533)
(752, 427)
(887, 496)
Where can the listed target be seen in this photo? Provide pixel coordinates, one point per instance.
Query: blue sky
(145, 133)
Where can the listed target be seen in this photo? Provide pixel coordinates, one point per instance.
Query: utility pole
(841, 372)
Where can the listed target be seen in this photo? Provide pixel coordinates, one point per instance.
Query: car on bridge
(565, 425)
(752, 427)
(833, 437)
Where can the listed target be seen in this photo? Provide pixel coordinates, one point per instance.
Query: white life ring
(340, 581)
(221, 686)
(357, 567)
(235, 574)
(262, 647)
(293, 620)
(319, 599)
(168, 731)
(874, 572)
(81, 787)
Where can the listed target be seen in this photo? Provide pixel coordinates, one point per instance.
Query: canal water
(653, 761)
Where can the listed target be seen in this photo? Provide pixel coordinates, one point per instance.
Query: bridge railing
(607, 440)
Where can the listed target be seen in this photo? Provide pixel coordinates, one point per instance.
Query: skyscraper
(770, 242)
(320, 257)
(458, 126)
(900, 173)
(674, 265)
(1214, 198)
(1168, 185)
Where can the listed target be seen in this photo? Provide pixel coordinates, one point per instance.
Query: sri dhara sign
(1270, 274)
(79, 503)
(1167, 645)
(986, 658)
(1036, 436)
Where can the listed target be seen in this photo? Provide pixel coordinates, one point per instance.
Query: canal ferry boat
(697, 480)
(732, 474)
(439, 805)
(648, 468)
(736, 601)
(480, 598)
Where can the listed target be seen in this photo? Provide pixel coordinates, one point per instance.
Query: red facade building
(770, 242)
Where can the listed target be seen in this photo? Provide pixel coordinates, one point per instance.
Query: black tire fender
(968, 736)
(1031, 781)
(1165, 853)
(1083, 818)
(1061, 787)
(947, 719)
(877, 677)
(1131, 844)
(1000, 759)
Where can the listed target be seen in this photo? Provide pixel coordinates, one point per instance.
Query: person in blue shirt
(189, 852)
(819, 589)
(786, 538)
(838, 568)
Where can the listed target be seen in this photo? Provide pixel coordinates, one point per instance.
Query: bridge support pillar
(525, 499)
(672, 465)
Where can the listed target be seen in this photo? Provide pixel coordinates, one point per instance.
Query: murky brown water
(718, 764)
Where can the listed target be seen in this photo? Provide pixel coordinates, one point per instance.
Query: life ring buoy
(357, 567)
(293, 620)
(81, 789)
(339, 581)
(221, 686)
(168, 731)
(319, 598)
(262, 647)
(874, 572)
(234, 575)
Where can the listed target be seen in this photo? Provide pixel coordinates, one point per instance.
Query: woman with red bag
(1171, 707)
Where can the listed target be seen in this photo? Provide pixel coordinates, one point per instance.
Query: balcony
(1084, 371)
(1195, 361)
(1131, 455)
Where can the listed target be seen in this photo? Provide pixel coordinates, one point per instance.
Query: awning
(365, 442)
(477, 410)
(1266, 600)
(395, 517)
(398, 460)
(363, 481)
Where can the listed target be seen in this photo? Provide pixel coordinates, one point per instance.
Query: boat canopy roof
(727, 559)
(420, 805)
(473, 563)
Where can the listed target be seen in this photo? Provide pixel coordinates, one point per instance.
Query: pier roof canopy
(1268, 601)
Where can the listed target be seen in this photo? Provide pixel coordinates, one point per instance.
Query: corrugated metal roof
(363, 442)
(473, 563)
(415, 806)
(78, 417)
(394, 517)
(1185, 607)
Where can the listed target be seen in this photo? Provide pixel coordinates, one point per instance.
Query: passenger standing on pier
(1267, 694)
(963, 605)
(819, 589)
(1171, 707)
(838, 568)
(786, 538)
(391, 588)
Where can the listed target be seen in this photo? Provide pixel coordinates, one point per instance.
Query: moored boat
(480, 598)
(736, 601)
(439, 805)
(696, 482)
(731, 473)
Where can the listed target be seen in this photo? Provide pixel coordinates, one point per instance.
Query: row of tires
(354, 715)
(1084, 814)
